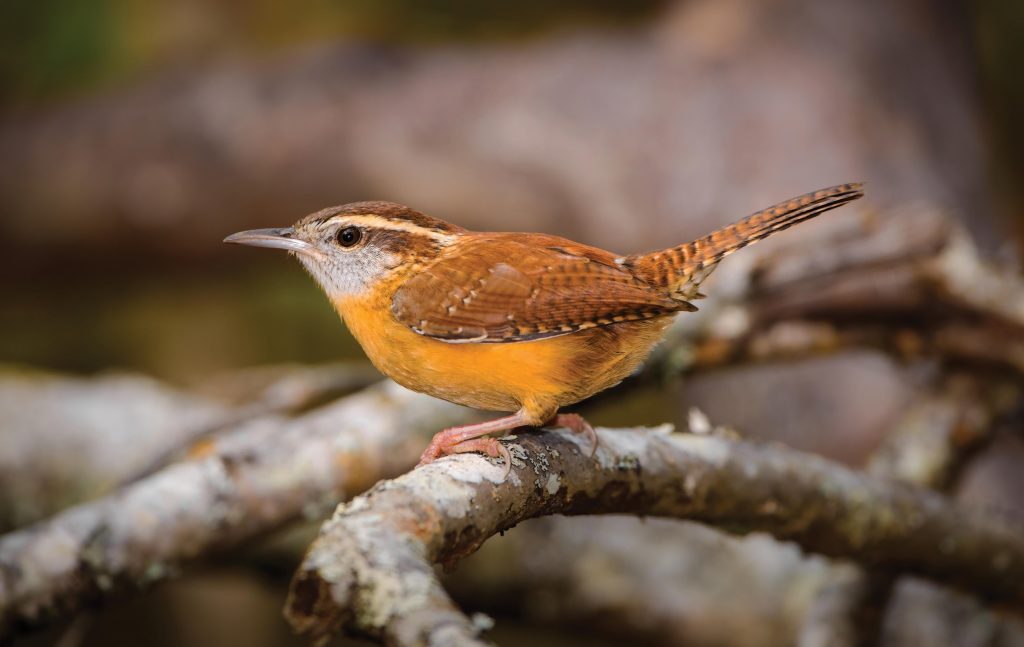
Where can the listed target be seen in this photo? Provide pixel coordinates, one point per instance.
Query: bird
(519, 323)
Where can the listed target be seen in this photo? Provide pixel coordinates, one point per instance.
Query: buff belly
(540, 375)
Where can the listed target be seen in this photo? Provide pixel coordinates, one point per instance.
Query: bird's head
(351, 249)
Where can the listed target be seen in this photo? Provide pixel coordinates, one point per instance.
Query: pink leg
(575, 423)
(466, 438)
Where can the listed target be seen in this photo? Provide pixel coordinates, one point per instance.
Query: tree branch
(266, 473)
(68, 439)
(370, 569)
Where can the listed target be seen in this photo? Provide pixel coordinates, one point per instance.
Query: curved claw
(486, 445)
(472, 438)
(577, 424)
(434, 451)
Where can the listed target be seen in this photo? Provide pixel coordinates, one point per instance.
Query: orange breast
(540, 375)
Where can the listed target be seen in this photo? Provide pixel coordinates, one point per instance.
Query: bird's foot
(441, 445)
(577, 424)
(473, 438)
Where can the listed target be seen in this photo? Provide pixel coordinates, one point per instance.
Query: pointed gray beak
(282, 238)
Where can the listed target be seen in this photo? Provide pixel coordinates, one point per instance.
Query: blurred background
(136, 134)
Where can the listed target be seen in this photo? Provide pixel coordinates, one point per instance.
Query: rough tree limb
(370, 571)
(680, 583)
(267, 473)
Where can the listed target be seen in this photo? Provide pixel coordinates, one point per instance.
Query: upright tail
(680, 270)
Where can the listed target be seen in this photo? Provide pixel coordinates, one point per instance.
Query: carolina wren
(516, 322)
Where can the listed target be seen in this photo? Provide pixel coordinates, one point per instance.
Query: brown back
(517, 287)
(493, 288)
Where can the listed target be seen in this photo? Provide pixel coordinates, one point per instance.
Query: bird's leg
(467, 438)
(577, 424)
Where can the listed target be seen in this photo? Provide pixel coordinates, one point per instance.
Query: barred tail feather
(681, 269)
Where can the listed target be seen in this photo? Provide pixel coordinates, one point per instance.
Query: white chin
(337, 283)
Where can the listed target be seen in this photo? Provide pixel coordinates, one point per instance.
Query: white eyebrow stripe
(394, 225)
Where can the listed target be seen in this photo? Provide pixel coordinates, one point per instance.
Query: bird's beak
(283, 238)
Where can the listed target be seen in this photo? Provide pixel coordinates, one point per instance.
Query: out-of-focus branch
(370, 571)
(68, 439)
(912, 285)
(266, 473)
(942, 431)
(270, 390)
(934, 441)
(65, 439)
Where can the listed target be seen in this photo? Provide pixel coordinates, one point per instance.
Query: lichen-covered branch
(268, 472)
(370, 569)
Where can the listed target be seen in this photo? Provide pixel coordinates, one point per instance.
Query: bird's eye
(349, 236)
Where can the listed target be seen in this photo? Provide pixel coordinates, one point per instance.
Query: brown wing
(502, 290)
